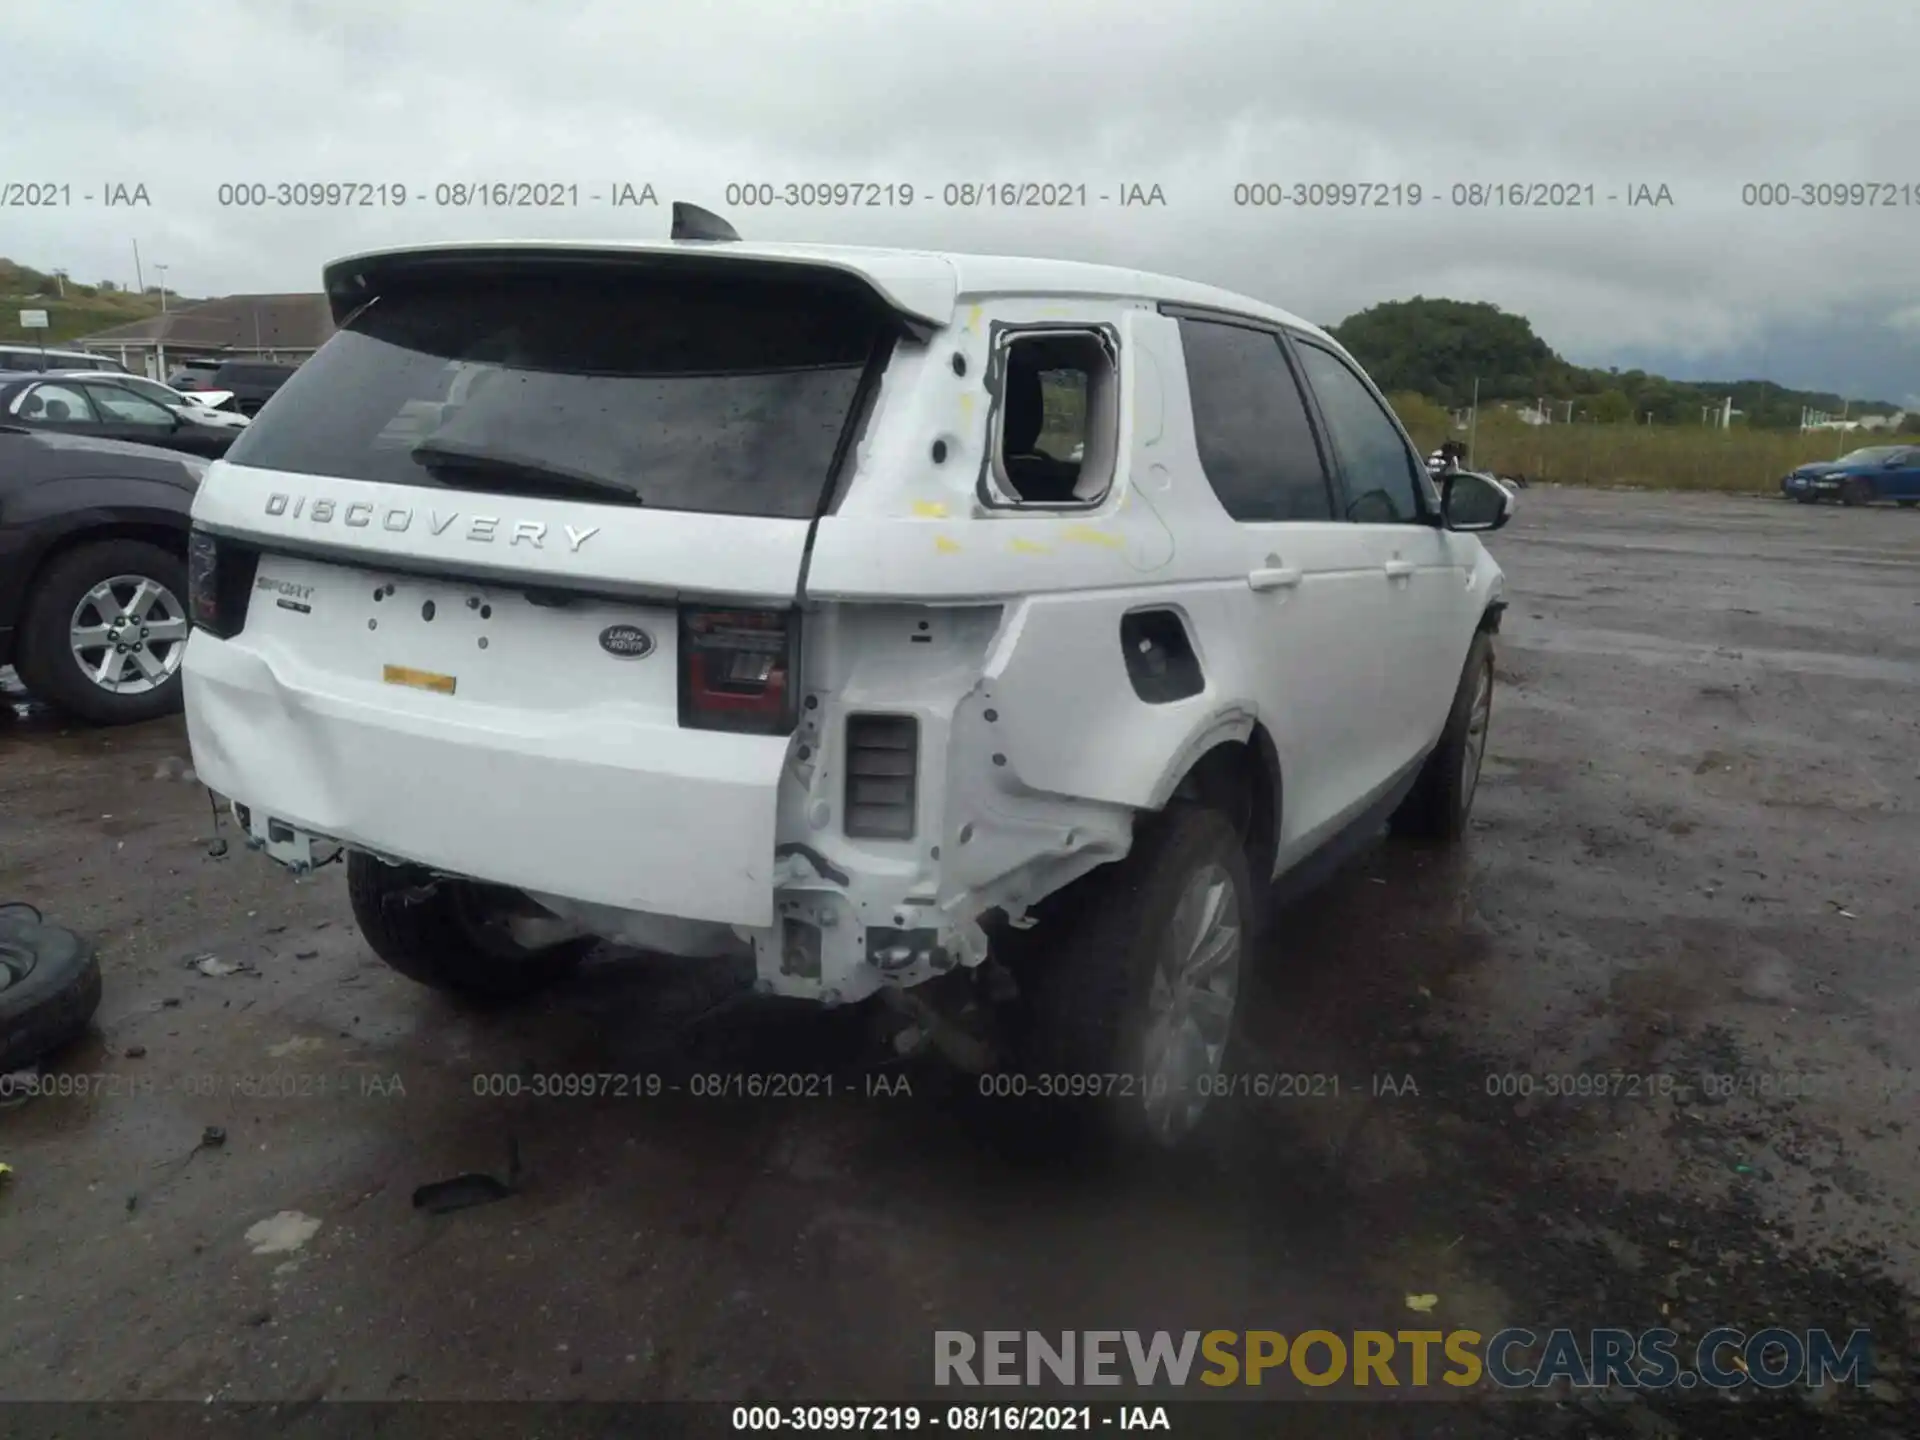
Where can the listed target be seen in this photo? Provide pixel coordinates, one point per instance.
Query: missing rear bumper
(298, 850)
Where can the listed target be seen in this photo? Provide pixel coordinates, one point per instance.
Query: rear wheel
(1441, 800)
(105, 632)
(452, 935)
(1132, 1012)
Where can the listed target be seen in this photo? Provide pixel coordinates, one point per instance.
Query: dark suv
(251, 381)
(93, 571)
(194, 374)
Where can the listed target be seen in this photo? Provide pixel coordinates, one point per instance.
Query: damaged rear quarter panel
(1035, 749)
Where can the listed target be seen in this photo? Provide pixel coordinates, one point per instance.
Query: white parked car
(736, 614)
(204, 407)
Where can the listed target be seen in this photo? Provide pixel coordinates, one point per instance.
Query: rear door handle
(1273, 579)
(1399, 569)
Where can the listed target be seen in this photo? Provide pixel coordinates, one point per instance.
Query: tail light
(219, 583)
(737, 670)
(883, 763)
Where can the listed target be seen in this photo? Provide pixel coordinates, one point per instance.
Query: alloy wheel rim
(16, 963)
(1190, 1001)
(128, 634)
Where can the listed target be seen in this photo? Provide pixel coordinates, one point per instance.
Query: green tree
(1440, 347)
(1611, 407)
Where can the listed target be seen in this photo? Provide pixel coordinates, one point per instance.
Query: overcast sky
(1702, 97)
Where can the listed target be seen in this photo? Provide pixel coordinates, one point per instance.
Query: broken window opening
(1056, 432)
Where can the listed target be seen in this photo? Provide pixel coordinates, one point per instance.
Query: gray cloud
(1702, 98)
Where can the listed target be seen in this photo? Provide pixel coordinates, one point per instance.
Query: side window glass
(1058, 432)
(128, 408)
(1376, 461)
(54, 404)
(1250, 425)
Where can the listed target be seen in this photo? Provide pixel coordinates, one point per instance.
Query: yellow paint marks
(929, 509)
(966, 405)
(946, 545)
(1087, 535)
(418, 679)
(1028, 547)
(973, 317)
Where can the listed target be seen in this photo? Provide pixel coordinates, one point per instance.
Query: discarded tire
(49, 988)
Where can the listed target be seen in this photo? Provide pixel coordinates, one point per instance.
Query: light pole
(1473, 421)
(160, 347)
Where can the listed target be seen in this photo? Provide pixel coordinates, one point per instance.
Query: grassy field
(1656, 457)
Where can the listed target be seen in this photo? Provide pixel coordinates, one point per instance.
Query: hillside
(83, 310)
(1437, 348)
(1434, 348)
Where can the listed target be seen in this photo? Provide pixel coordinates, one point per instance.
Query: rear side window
(671, 388)
(1377, 463)
(54, 403)
(1250, 425)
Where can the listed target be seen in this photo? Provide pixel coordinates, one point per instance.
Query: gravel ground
(1691, 875)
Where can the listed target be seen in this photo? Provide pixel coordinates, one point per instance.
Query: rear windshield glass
(724, 394)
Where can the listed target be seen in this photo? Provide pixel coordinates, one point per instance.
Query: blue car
(1879, 472)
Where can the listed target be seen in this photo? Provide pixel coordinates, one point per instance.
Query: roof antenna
(690, 222)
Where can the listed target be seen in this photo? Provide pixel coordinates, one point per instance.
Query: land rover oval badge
(629, 642)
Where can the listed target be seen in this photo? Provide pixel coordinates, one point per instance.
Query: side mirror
(1471, 501)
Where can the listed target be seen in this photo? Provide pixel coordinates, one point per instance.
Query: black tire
(49, 989)
(1908, 504)
(1089, 1008)
(1857, 490)
(46, 662)
(436, 933)
(1807, 499)
(1442, 797)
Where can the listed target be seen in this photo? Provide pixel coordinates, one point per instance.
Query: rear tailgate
(478, 525)
(461, 725)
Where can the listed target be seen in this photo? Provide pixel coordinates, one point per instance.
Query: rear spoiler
(920, 289)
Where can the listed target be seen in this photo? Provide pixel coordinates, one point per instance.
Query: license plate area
(455, 642)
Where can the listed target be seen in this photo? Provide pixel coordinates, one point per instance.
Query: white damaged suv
(850, 609)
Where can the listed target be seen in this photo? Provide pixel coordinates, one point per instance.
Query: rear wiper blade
(511, 469)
